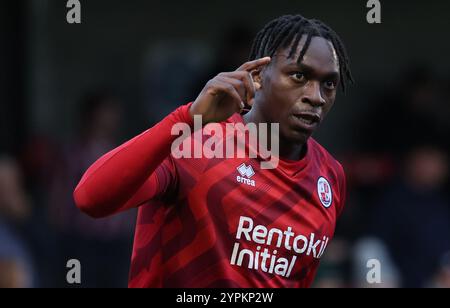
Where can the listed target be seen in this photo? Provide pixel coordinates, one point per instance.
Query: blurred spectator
(12, 275)
(14, 203)
(413, 216)
(442, 277)
(232, 52)
(169, 68)
(334, 266)
(405, 114)
(102, 246)
(16, 268)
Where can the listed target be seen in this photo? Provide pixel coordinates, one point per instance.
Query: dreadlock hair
(289, 29)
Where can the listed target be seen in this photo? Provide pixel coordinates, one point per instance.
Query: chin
(297, 137)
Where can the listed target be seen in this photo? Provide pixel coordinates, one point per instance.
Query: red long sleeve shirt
(220, 222)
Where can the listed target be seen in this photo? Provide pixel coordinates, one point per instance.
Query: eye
(298, 76)
(330, 84)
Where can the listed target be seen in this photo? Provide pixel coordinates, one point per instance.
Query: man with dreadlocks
(227, 222)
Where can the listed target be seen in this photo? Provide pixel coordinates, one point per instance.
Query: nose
(312, 94)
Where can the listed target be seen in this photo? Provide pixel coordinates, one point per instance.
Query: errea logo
(246, 173)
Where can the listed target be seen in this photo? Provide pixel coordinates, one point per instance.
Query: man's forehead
(320, 54)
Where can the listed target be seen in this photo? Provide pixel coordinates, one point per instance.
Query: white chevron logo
(246, 171)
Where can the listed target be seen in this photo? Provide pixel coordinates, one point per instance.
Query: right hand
(227, 93)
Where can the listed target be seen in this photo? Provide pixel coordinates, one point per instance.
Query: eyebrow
(310, 70)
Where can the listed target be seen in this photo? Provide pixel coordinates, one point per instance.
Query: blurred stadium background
(69, 93)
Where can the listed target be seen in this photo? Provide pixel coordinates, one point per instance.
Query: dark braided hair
(289, 29)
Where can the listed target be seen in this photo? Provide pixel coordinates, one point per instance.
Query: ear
(257, 78)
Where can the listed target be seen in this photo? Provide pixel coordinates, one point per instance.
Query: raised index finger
(251, 65)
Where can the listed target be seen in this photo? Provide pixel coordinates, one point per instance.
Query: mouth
(308, 120)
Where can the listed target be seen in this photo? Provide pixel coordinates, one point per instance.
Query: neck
(288, 150)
